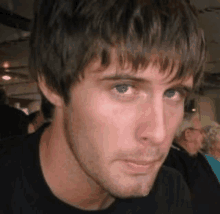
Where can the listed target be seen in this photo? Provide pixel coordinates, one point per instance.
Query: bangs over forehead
(72, 33)
(169, 63)
(167, 41)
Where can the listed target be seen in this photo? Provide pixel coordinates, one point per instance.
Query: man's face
(120, 126)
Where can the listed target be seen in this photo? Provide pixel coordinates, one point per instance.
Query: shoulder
(211, 159)
(17, 156)
(170, 172)
(176, 194)
(214, 164)
(9, 114)
(11, 153)
(15, 161)
(170, 178)
(12, 150)
(169, 194)
(178, 158)
(9, 109)
(208, 163)
(19, 148)
(8, 145)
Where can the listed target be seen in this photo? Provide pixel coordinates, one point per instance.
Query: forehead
(152, 72)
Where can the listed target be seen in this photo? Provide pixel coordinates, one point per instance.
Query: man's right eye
(122, 88)
(124, 92)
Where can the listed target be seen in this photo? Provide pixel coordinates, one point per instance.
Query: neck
(65, 177)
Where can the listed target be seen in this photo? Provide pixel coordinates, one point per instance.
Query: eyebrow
(189, 89)
(125, 77)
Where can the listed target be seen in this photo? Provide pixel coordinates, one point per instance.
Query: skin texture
(112, 138)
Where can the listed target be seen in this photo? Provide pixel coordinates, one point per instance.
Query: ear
(49, 93)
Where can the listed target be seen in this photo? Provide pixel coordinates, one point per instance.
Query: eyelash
(124, 96)
(181, 90)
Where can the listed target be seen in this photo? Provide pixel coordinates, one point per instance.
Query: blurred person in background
(212, 147)
(44, 115)
(185, 156)
(47, 109)
(212, 141)
(12, 121)
(191, 140)
(36, 120)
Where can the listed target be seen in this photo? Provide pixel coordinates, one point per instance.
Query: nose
(152, 124)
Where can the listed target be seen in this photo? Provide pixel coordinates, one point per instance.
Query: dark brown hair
(68, 34)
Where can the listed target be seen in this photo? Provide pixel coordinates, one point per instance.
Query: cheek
(108, 114)
(114, 125)
(103, 124)
(174, 118)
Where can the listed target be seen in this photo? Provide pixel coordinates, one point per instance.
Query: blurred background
(15, 20)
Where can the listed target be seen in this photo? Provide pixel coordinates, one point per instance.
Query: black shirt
(200, 178)
(24, 190)
(12, 122)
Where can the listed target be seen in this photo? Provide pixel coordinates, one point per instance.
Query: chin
(131, 189)
(124, 194)
(130, 185)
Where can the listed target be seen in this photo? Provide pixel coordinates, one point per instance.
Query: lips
(138, 166)
(140, 162)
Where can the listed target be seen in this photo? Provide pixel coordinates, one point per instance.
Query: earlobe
(49, 93)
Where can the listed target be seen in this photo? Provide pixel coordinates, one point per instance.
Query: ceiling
(15, 17)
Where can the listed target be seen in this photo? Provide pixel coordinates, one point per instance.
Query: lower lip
(134, 168)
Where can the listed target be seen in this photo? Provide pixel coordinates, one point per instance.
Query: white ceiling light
(6, 77)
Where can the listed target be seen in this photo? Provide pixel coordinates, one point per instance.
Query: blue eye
(122, 88)
(176, 94)
(171, 93)
(125, 91)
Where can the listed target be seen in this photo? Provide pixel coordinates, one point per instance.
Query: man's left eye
(174, 94)
(122, 88)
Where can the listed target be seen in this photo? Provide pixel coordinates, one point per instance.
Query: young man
(118, 73)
